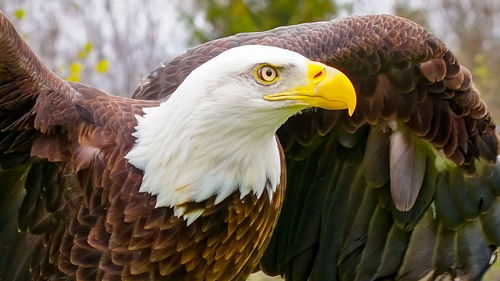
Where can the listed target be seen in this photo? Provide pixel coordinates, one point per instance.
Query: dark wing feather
(70, 206)
(381, 194)
(56, 143)
(24, 184)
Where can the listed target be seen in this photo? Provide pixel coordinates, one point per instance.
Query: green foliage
(481, 70)
(493, 274)
(485, 68)
(84, 62)
(419, 15)
(102, 66)
(20, 14)
(227, 17)
(85, 51)
(75, 69)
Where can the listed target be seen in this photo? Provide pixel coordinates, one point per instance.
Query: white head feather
(215, 134)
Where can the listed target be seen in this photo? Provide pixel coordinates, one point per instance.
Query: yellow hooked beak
(326, 88)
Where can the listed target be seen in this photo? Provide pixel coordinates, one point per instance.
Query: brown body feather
(341, 220)
(80, 214)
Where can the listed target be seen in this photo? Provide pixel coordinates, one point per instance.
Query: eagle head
(216, 133)
(257, 78)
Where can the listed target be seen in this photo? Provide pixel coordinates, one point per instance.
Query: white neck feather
(215, 134)
(189, 156)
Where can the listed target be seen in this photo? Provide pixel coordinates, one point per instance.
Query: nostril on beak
(319, 74)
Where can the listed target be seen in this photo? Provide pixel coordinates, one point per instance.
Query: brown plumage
(82, 216)
(75, 199)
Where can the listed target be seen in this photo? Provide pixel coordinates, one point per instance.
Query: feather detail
(407, 167)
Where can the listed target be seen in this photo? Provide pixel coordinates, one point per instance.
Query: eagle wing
(405, 189)
(70, 205)
(59, 143)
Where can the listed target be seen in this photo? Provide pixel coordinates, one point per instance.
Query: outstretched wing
(59, 143)
(405, 189)
(25, 85)
(70, 206)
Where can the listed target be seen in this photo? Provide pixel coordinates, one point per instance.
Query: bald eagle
(187, 180)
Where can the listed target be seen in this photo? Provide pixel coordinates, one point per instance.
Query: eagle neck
(188, 155)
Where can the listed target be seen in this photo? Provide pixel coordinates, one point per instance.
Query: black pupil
(269, 72)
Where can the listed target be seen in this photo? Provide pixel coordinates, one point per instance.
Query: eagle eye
(267, 74)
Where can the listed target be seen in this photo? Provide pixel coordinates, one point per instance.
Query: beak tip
(353, 103)
(350, 111)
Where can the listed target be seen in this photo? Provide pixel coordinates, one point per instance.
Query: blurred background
(113, 45)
